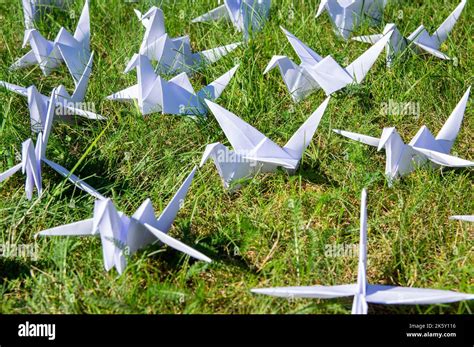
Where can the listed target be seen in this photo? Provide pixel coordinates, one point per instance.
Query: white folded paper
(254, 152)
(420, 41)
(33, 156)
(122, 235)
(316, 72)
(174, 55)
(247, 16)
(66, 104)
(365, 293)
(463, 218)
(404, 158)
(74, 50)
(346, 15)
(176, 96)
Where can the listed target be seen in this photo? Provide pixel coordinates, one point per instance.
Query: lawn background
(275, 230)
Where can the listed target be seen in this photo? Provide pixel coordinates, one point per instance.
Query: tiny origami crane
(67, 104)
(316, 72)
(403, 158)
(346, 15)
(420, 41)
(174, 55)
(176, 96)
(122, 235)
(365, 293)
(33, 157)
(248, 16)
(73, 50)
(254, 152)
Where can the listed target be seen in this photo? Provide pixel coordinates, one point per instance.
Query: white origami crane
(33, 157)
(316, 72)
(420, 41)
(346, 15)
(31, 9)
(365, 293)
(403, 158)
(66, 105)
(176, 96)
(73, 50)
(122, 235)
(174, 55)
(463, 218)
(248, 16)
(254, 152)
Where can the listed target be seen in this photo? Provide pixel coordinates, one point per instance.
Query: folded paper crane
(176, 96)
(248, 16)
(254, 152)
(122, 235)
(365, 293)
(403, 158)
(31, 9)
(420, 41)
(174, 55)
(316, 72)
(463, 218)
(67, 105)
(73, 50)
(33, 157)
(346, 15)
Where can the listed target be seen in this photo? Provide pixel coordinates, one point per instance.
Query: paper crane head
(387, 134)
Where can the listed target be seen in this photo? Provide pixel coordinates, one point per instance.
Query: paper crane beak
(133, 63)
(26, 39)
(321, 7)
(386, 134)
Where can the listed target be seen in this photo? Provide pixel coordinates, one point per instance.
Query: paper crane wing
(178, 245)
(83, 29)
(441, 34)
(448, 133)
(306, 54)
(244, 137)
(390, 295)
(76, 61)
(321, 292)
(303, 136)
(431, 50)
(361, 66)
(359, 305)
(443, 159)
(10, 172)
(215, 89)
(168, 215)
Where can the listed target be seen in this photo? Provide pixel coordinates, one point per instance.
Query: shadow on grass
(314, 175)
(12, 268)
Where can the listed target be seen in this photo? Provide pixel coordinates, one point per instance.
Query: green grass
(275, 229)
